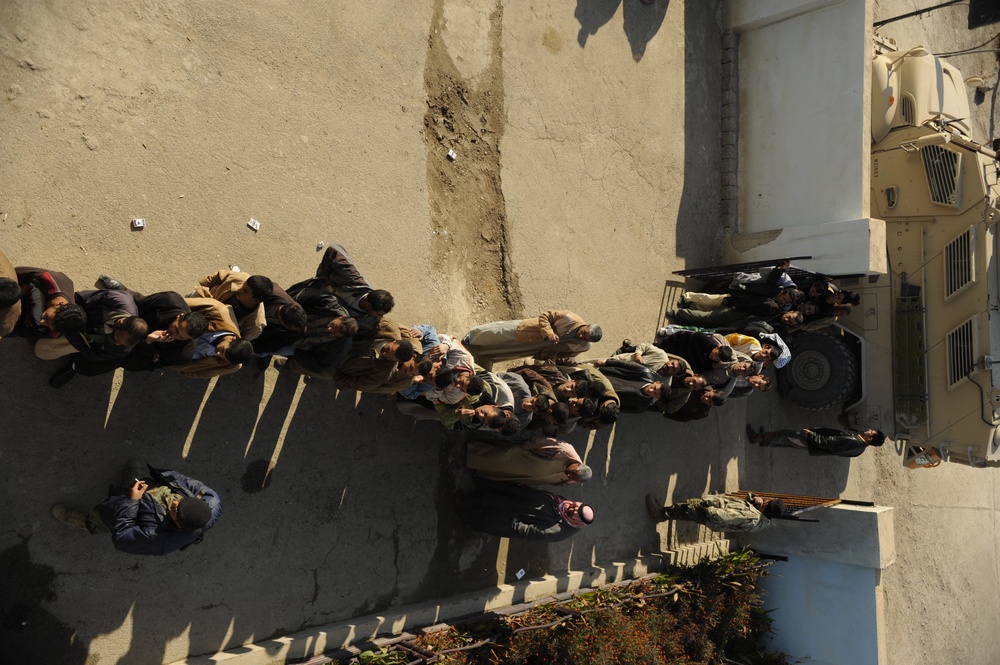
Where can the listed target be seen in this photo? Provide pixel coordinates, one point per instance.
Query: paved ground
(330, 123)
(587, 170)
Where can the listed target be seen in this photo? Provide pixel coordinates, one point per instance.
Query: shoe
(62, 376)
(109, 283)
(74, 519)
(682, 303)
(654, 508)
(752, 436)
(133, 469)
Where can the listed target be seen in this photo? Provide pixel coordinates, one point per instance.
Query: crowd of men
(336, 326)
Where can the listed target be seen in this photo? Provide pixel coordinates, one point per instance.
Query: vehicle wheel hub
(811, 370)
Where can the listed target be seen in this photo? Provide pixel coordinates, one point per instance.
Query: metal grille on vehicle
(959, 262)
(906, 109)
(963, 346)
(942, 168)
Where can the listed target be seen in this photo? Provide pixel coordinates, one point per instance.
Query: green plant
(384, 656)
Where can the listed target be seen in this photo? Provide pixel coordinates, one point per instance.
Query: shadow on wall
(642, 21)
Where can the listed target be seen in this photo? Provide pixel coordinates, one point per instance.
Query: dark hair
(766, 379)
(293, 316)
(261, 287)
(135, 328)
(594, 332)
(442, 379)
(404, 350)
(588, 407)
(380, 300)
(718, 398)
(497, 420)
(878, 439)
(796, 295)
(510, 425)
(774, 353)
(193, 513)
(543, 403)
(725, 353)
(560, 412)
(426, 366)
(197, 325)
(596, 390)
(774, 508)
(476, 386)
(70, 319)
(608, 413)
(239, 351)
(349, 326)
(10, 292)
(799, 319)
(852, 298)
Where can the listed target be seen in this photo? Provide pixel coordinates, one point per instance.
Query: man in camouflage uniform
(719, 512)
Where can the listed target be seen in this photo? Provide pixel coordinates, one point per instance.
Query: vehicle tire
(823, 372)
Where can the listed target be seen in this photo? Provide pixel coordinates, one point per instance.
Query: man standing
(113, 328)
(160, 513)
(540, 460)
(821, 441)
(338, 274)
(219, 350)
(552, 334)
(329, 333)
(385, 364)
(701, 350)
(247, 294)
(636, 386)
(719, 512)
(44, 293)
(518, 511)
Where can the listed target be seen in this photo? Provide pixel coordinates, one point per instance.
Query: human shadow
(641, 21)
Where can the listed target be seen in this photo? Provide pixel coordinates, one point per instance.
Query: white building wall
(804, 136)
(825, 612)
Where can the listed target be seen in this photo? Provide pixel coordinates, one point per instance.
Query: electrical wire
(926, 10)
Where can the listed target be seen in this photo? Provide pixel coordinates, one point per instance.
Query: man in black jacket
(163, 514)
(518, 511)
(820, 441)
(637, 387)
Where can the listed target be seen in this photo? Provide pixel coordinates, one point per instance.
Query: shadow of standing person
(642, 20)
(592, 14)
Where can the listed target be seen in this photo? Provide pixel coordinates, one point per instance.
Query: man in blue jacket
(163, 514)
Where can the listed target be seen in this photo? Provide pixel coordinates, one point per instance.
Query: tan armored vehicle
(920, 358)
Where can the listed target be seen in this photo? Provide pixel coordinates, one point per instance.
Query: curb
(316, 641)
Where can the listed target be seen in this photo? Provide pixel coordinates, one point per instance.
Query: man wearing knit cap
(166, 513)
(519, 511)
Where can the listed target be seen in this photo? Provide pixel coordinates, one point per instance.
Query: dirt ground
(586, 168)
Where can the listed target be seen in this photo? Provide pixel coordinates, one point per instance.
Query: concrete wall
(824, 611)
(804, 131)
(827, 598)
